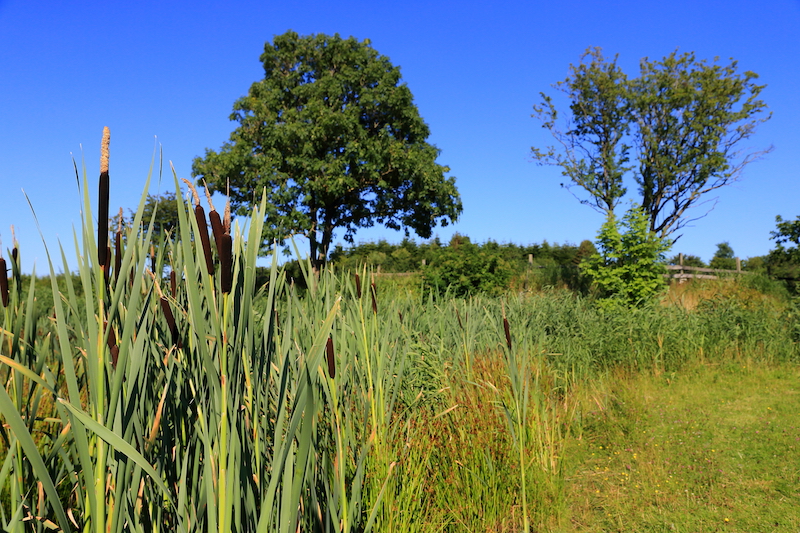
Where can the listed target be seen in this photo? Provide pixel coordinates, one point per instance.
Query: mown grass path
(712, 448)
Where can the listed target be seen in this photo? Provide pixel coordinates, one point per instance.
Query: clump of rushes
(102, 205)
(202, 227)
(118, 246)
(331, 357)
(226, 252)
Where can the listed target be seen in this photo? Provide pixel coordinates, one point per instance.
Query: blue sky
(161, 73)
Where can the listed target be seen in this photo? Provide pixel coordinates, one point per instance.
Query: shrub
(464, 268)
(628, 267)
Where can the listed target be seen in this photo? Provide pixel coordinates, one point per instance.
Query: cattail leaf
(226, 263)
(118, 444)
(118, 255)
(20, 430)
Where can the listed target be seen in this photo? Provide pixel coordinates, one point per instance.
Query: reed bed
(169, 393)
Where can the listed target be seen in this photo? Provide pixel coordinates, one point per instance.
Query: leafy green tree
(593, 155)
(685, 120)
(724, 258)
(628, 268)
(334, 137)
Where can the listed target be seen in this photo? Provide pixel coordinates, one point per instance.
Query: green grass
(711, 448)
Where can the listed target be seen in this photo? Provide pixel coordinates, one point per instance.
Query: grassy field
(165, 391)
(714, 447)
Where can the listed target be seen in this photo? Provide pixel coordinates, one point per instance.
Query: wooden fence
(682, 272)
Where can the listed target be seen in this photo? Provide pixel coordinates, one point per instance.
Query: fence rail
(682, 272)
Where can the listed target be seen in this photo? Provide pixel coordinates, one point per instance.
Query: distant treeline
(408, 256)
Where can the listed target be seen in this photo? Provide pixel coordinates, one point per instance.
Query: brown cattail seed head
(507, 330)
(112, 345)
(173, 328)
(102, 202)
(374, 298)
(331, 358)
(173, 283)
(216, 229)
(118, 256)
(358, 286)
(15, 249)
(3, 282)
(202, 227)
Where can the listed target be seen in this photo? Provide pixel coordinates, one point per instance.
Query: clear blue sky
(172, 70)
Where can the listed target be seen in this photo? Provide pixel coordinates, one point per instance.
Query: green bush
(463, 268)
(629, 266)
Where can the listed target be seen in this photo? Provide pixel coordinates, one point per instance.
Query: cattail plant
(3, 281)
(15, 249)
(202, 227)
(331, 357)
(358, 286)
(173, 283)
(102, 204)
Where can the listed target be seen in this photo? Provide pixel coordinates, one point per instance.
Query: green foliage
(462, 268)
(334, 137)
(688, 260)
(684, 118)
(783, 262)
(160, 209)
(534, 266)
(628, 268)
(724, 258)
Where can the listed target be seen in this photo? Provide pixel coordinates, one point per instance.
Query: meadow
(165, 391)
